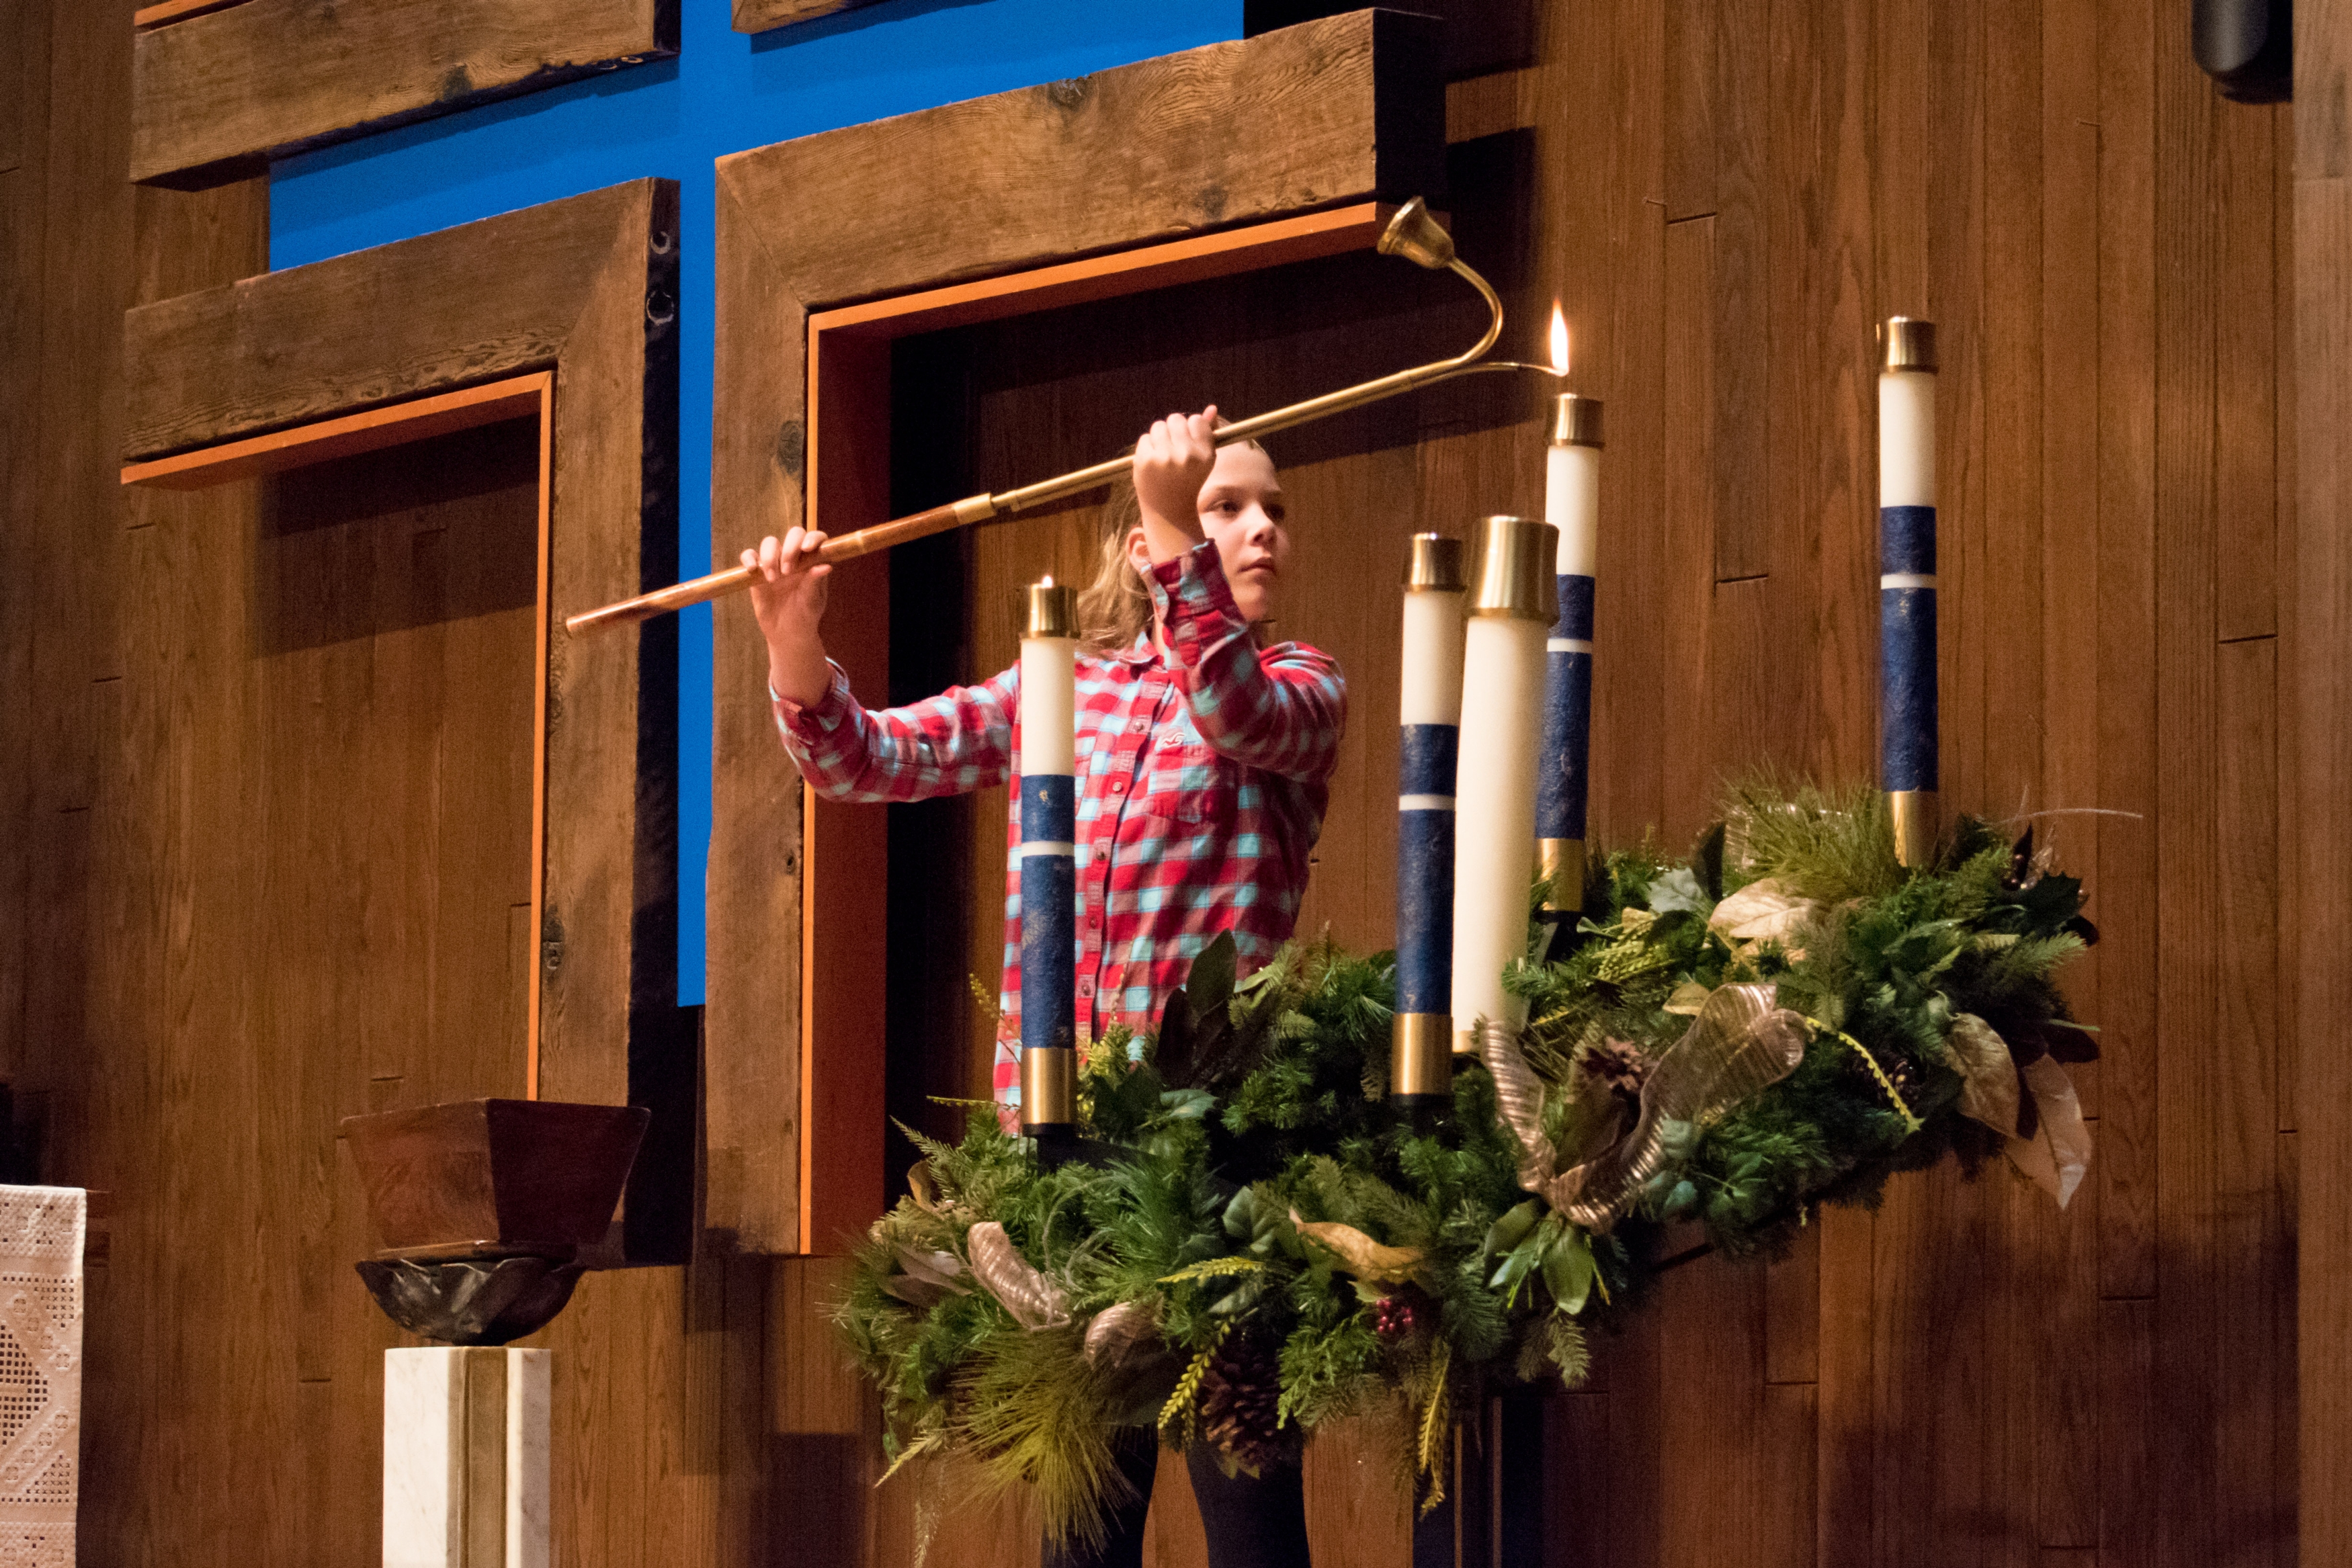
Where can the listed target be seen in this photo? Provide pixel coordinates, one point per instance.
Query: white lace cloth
(40, 1372)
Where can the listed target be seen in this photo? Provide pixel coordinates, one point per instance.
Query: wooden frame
(578, 299)
(1130, 179)
(529, 396)
(217, 93)
(761, 15)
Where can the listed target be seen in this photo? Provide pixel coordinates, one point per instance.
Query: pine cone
(1241, 1402)
(1616, 1063)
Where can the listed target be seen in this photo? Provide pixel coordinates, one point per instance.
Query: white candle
(1511, 609)
(1572, 506)
(1908, 764)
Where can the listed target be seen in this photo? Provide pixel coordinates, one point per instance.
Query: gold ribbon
(1739, 1044)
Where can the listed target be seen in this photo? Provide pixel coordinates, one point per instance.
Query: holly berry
(1393, 1318)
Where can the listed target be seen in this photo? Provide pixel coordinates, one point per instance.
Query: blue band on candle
(1906, 540)
(1906, 649)
(1562, 780)
(1906, 718)
(1049, 950)
(1425, 951)
(1575, 607)
(1425, 970)
(1049, 807)
(1426, 759)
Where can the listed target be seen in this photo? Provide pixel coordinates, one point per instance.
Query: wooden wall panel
(1726, 195)
(2321, 590)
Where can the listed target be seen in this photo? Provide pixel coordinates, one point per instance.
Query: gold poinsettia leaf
(1763, 911)
(1117, 1331)
(2058, 1153)
(923, 1190)
(1740, 1044)
(1988, 1090)
(1687, 998)
(1374, 1262)
(1035, 1301)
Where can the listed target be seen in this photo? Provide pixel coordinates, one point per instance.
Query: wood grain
(760, 16)
(347, 437)
(217, 95)
(2322, 579)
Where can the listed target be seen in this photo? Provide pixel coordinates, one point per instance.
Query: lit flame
(1558, 340)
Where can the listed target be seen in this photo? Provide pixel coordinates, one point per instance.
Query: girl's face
(1242, 510)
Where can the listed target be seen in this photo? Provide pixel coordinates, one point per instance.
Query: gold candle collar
(1048, 1079)
(1435, 565)
(1575, 421)
(1421, 1054)
(1906, 343)
(1512, 562)
(1049, 609)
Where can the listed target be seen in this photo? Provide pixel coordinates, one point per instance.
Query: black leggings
(1252, 1521)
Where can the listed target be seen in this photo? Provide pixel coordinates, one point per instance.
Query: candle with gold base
(1049, 874)
(1422, 1043)
(1513, 601)
(1906, 584)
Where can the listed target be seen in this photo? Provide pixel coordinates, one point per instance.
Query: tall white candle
(1511, 608)
(1048, 808)
(1572, 505)
(1421, 1033)
(1908, 762)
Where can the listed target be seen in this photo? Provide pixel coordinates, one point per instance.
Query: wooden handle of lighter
(735, 578)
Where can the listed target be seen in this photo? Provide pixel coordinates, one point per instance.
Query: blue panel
(1425, 759)
(724, 93)
(1425, 965)
(1906, 719)
(1049, 950)
(1049, 807)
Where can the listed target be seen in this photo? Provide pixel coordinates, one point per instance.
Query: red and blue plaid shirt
(1201, 784)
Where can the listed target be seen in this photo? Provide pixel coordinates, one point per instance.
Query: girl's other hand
(789, 598)
(1172, 462)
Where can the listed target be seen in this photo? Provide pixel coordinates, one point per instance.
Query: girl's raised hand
(1172, 462)
(790, 594)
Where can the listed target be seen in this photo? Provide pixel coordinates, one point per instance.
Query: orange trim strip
(1108, 276)
(848, 416)
(543, 614)
(325, 440)
(148, 17)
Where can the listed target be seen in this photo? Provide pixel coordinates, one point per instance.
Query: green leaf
(1707, 862)
(1568, 1271)
(1210, 986)
(1511, 1229)
(1678, 890)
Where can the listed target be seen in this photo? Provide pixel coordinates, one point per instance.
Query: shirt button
(1119, 787)
(1140, 726)
(1086, 988)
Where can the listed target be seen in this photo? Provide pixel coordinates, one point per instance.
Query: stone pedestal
(466, 1457)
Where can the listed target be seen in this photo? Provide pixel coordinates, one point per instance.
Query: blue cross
(724, 92)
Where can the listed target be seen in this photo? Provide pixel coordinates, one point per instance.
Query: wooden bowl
(494, 1178)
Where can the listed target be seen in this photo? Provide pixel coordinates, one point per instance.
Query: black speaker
(2247, 47)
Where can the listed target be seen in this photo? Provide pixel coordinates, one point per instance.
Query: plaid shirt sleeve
(1283, 710)
(951, 744)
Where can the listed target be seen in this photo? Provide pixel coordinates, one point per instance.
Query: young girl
(1202, 765)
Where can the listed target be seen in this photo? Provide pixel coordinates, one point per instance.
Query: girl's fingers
(751, 559)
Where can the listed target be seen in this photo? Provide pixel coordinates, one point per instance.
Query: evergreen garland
(1262, 1244)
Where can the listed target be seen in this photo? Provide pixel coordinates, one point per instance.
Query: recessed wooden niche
(446, 438)
(1045, 199)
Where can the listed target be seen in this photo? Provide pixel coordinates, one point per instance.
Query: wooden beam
(828, 245)
(760, 16)
(567, 309)
(1339, 110)
(217, 95)
(515, 397)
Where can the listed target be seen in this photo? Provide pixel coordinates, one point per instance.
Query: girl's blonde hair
(1116, 608)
